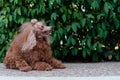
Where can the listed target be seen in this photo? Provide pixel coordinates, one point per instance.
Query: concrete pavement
(73, 71)
(60, 78)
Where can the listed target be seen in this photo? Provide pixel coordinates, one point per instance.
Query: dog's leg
(42, 66)
(9, 62)
(22, 65)
(56, 63)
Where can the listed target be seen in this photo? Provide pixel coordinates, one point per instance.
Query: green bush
(85, 28)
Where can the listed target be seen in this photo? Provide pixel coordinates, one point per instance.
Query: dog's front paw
(26, 69)
(49, 68)
(61, 66)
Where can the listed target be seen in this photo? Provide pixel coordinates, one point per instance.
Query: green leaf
(77, 24)
(83, 41)
(10, 34)
(24, 9)
(105, 34)
(11, 0)
(64, 17)
(58, 1)
(89, 24)
(33, 12)
(21, 20)
(118, 9)
(54, 16)
(117, 23)
(84, 52)
(117, 57)
(3, 11)
(83, 22)
(112, 15)
(73, 41)
(94, 46)
(17, 11)
(1, 21)
(107, 6)
(68, 27)
(74, 51)
(107, 53)
(100, 16)
(88, 52)
(65, 51)
(1, 3)
(95, 4)
(89, 1)
(15, 1)
(74, 26)
(90, 16)
(6, 21)
(99, 47)
(60, 32)
(103, 26)
(54, 37)
(115, 1)
(89, 42)
(78, 15)
(56, 53)
(80, 1)
(68, 41)
(10, 18)
(95, 57)
(63, 9)
(3, 37)
(100, 32)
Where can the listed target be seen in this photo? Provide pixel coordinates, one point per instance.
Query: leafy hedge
(85, 28)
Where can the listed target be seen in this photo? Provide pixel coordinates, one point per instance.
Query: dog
(30, 49)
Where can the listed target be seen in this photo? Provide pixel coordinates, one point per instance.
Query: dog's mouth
(44, 34)
(47, 33)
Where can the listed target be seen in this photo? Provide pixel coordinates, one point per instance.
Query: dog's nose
(51, 27)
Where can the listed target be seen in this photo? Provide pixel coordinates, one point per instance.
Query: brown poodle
(30, 49)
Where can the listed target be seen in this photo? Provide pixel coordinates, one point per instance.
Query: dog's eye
(42, 27)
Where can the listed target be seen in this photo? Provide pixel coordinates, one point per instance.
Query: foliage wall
(85, 28)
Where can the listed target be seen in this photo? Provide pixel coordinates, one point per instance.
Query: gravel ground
(72, 70)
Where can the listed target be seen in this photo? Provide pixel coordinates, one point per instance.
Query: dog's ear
(30, 41)
(33, 21)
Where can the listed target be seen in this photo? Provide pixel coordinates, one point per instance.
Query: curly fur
(30, 49)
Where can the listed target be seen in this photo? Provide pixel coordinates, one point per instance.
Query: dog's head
(41, 29)
(37, 30)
